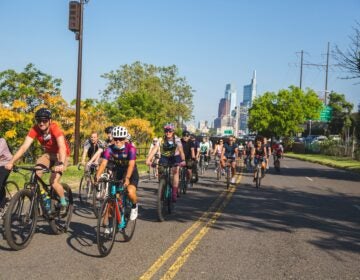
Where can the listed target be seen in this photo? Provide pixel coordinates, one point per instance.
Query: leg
(175, 185)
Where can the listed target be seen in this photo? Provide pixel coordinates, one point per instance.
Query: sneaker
(215, 171)
(223, 173)
(254, 180)
(108, 230)
(233, 180)
(134, 213)
(189, 185)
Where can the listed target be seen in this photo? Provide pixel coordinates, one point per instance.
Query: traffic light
(74, 16)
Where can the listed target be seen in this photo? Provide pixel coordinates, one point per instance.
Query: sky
(212, 43)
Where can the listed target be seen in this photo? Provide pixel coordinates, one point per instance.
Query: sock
(63, 201)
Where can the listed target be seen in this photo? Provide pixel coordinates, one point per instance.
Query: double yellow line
(202, 221)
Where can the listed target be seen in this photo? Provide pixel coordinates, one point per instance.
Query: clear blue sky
(212, 42)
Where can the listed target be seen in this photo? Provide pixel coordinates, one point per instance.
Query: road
(303, 223)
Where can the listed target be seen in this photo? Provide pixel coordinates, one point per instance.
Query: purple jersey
(120, 157)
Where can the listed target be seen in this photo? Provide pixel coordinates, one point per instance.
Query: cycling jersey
(121, 158)
(187, 146)
(48, 141)
(204, 147)
(230, 150)
(169, 148)
(92, 148)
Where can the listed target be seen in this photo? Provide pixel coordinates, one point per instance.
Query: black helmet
(186, 133)
(109, 129)
(43, 113)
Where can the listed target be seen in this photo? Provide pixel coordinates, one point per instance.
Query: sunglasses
(168, 130)
(119, 139)
(42, 120)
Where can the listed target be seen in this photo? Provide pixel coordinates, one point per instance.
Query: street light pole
(76, 25)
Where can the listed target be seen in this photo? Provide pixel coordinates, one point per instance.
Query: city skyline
(212, 43)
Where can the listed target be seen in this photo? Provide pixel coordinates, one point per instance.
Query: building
(250, 92)
(230, 94)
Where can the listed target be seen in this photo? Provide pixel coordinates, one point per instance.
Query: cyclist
(230, 152)
(241, 150)
(91, 146)
(109, 138)
(171, 153)
(278, 150)
(258, 154)
(217, 152)
(204, 150)
(188, 147)
(123, 156)
(195, 176)
(154, 145)
(5, 157)
(57, 150)
(267, 146)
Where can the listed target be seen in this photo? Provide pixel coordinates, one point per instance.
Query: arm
(23, 148)
(96, 156)
(62, 153)
(101, 169)
(129, 172)
(152, 154)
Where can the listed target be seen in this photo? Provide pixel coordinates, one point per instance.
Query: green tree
(341, 110)
(282, 114)
(148, 92)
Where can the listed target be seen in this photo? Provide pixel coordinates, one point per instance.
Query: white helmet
(119, 132)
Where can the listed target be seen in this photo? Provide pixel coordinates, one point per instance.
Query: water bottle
(46, 199)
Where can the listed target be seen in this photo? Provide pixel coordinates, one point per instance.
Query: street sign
(325, 114)
(228, 132)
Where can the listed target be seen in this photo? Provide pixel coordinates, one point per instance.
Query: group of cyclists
(119, 154)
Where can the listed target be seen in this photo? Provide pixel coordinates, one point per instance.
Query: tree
(140, 130)
(282, 114)
(148, 92)
(341, 110)
(349, 60)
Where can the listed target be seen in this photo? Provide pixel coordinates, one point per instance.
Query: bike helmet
(119, 132)
(43, 113)
(108, 129)
(259, 138)
(186, 133)
(169, 126)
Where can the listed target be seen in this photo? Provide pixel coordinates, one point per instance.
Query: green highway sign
(325, 114)
(228, 132)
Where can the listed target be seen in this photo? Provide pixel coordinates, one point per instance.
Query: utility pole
(76, 11)
(317, 65)
(301, 67)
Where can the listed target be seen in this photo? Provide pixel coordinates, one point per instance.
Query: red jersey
(50, 145)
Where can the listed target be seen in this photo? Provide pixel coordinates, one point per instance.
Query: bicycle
(9, 188)
(202, 164)
(153, 168)
(164, 199)
(86, 186)
(228, 174)
(259, 172)
(28, 203)
(218, 168)
(182, 181)
(114, 217)
(277, 162)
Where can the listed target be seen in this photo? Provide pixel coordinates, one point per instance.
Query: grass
(333, 161)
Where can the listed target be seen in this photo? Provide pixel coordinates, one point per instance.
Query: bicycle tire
(105, 241)
(163, 200)
(98, 197)
(228, 171)
(13, 216)
(85, 190)
(60, 223)
(183, 186)
(277, 165)
(218, 172)
(258, 176)
(10, 185)
(128, 231)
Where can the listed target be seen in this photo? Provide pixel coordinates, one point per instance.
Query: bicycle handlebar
(32, 168)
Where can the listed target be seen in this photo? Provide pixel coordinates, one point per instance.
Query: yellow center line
(156, 266)
(173, 270)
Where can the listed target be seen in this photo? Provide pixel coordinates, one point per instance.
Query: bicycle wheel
(58, 222)
(277, 165)
(127, 232)
(163, 200)
(106, 227)
(228, 176)
(98, 197)
(183, 181)
(258, 176)
(10, 188)
(85, 190)
(20, 219)
(218, 172)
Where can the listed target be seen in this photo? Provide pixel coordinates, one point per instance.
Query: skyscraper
(230, 94)
(250, 91)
